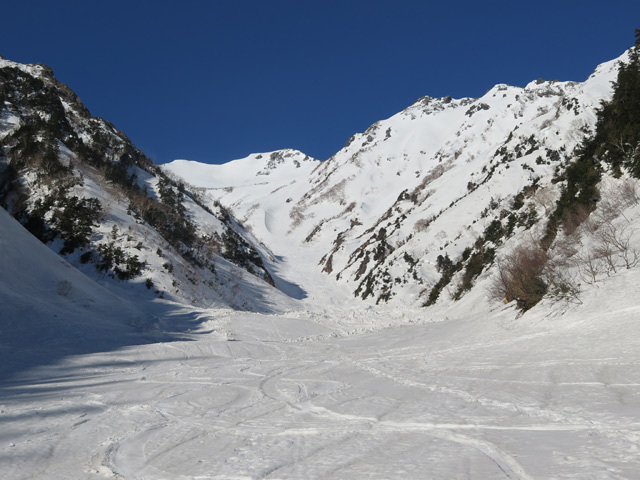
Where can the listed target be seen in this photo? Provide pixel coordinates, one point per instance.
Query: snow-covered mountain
(423, 184)
(420, 203)
(272, 169)
(82, 187)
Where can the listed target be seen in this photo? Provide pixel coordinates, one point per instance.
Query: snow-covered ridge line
(36, 70)
(424, 182)
(281, 166)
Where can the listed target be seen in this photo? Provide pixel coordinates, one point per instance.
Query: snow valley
(451, 295)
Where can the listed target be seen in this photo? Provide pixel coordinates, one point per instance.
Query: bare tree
(611, 234)
(629, 192)
(520, 276)
(628, 150)
(573, 218)
(589, 266)
(615, 242)
(562, 284)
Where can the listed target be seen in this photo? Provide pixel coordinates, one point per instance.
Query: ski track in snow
(402, 403)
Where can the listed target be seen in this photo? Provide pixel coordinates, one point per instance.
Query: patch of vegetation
(447, 270)
(521, 277)
(115, 261)
(74, 219)
(240, 253)
(616, 143)
(617, 137)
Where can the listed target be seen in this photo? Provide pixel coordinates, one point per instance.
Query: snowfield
(479, 397)
(385, 393)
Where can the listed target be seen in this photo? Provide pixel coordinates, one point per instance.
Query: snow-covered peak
(36, 70)
(430, 105)
(611, 66)
(258, 168)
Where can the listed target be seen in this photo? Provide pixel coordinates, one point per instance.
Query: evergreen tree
(616, 142)
(617, 139)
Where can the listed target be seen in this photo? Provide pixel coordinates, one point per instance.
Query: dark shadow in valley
(290, 289)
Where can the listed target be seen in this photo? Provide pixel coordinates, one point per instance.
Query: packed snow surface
(385, 393)
(486, 397)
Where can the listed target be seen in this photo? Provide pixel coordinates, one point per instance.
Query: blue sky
(216, 80)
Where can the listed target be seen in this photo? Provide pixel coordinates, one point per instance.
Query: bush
(115, 259)
(521, 277)
(494, 232)
(448, 270)
(477, 261)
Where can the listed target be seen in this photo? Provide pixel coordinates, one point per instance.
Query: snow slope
(50, 309)
(274, 168)
(549, 395)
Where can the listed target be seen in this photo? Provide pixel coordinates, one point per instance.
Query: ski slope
(384, 394)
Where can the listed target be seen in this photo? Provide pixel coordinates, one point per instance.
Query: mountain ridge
(443, 182)
(82, 187)
(435, 156)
